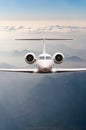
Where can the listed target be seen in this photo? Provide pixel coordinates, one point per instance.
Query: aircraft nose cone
(45, 69)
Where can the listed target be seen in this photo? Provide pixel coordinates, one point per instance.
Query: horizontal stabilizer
(38, 39)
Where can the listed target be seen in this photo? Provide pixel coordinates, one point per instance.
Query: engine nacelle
(58, 58)
(30, 58)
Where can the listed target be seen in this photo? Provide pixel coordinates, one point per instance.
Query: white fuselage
(44, 63)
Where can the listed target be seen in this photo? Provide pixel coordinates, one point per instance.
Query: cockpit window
(41, 57)
(48, 57)
(44, 57)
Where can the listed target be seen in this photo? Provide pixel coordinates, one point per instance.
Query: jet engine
(30, 58)
(58, 58)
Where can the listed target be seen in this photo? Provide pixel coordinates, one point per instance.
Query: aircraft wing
(68, 70)
(20, 70)
(55, 70)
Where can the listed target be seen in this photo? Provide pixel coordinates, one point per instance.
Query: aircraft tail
(43, 39)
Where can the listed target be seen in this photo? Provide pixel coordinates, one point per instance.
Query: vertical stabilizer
(44, 49)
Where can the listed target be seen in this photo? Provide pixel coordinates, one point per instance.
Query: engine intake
(58, 58)
(30, 58)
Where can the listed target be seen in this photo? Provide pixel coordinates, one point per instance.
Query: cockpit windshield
(44, 57)
(41, 57)
(48, 57)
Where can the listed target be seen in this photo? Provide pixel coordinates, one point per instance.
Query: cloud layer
(55, 28)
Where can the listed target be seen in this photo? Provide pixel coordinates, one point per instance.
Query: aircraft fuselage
(45, 63)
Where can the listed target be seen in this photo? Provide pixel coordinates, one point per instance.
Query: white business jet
(44, 62)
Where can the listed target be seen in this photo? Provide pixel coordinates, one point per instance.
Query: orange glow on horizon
(42, 23)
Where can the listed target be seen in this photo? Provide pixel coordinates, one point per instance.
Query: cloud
(55, 28)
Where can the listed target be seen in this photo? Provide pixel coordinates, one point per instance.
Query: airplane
(44, 62)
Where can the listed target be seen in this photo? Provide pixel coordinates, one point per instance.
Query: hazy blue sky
(18, 18)
(42, 9)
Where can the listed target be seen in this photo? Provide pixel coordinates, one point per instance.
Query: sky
(29, 18)
(42, 10)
